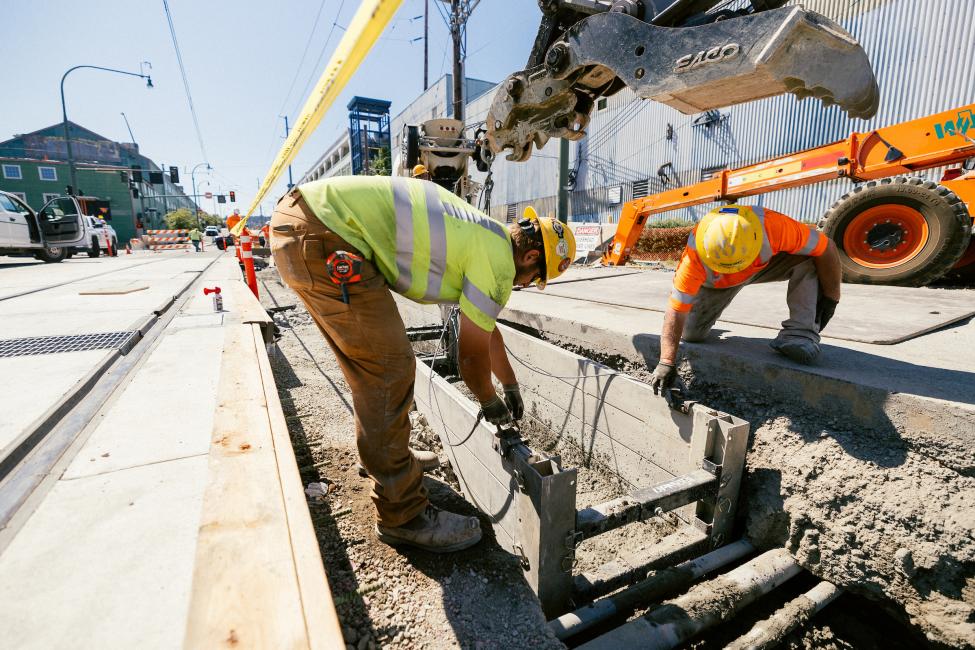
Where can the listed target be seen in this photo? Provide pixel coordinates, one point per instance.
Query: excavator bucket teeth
(692, 69)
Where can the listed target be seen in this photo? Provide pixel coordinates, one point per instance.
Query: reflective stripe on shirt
(438, 242)
(811, 243)
(681, 297)
(404, 235)
(481, 300)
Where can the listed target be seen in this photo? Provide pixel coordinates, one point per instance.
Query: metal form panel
(920, 52)
(689, 458)
(529, 498)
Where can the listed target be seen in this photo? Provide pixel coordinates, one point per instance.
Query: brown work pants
(369, 340)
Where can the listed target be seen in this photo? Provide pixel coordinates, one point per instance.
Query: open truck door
(60, 223)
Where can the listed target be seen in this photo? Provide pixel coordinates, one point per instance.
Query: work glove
(512, 398)
(825, 308)
(496, 412)
(663, 377)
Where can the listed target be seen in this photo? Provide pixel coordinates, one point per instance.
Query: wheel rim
(54, 251)
(885, 236)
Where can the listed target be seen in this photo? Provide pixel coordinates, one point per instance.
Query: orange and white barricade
(169, 239)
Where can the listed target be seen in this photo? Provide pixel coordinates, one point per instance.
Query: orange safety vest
(782, 235)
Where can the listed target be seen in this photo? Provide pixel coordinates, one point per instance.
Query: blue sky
(241, 59)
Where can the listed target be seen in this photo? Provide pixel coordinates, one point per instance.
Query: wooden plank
(529, 498)
(318, 608)
(245, 593)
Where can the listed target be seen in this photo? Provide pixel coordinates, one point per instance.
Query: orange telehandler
(895, 229)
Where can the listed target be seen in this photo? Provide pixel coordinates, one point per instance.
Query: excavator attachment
(733, 59)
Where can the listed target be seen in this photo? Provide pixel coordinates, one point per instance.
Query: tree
(181, 219)
(379, 166)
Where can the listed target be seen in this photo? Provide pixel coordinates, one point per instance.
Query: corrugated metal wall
(923, 53)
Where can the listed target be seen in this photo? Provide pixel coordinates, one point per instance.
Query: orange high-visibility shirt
(782, 235)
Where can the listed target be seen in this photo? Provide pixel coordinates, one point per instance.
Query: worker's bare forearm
(670, 336)
(500, 364)
(474, 359)
(476, 372)
(829, 271)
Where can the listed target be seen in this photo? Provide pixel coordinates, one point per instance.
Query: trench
(875, 624)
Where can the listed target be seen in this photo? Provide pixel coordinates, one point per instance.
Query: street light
(64, 112)
(195, 197)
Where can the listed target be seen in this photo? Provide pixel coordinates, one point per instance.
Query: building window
(47, 197)
(12, 172)
(47, 173)
(601, 104)
(20, 195)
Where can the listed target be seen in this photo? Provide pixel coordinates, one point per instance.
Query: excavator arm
(688, 54)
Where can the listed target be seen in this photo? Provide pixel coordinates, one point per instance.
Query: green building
(34, 167)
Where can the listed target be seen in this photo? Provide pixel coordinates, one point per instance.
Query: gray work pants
(802, 296)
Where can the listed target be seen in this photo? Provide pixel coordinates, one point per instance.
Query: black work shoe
(798, 349)
(427, 459)
(434, 530)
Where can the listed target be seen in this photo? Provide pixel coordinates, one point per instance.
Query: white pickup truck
(47, 235)
(98, 236)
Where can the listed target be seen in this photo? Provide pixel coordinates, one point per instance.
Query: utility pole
(426, 44)
(460, 11)
(287, 131)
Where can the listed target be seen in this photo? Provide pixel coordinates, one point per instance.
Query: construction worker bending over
(342, 244)
(734, 246)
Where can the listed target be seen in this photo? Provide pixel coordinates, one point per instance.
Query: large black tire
(94, 250)
(114, 247)
(52, 254)
(412, 147)
(948, 226)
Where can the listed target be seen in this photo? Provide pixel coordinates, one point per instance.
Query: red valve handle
(207, 292)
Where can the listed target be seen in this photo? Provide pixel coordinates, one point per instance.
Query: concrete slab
(165, 413)
(937, 365)
(106, 561)
(24, 399)
(867, 314)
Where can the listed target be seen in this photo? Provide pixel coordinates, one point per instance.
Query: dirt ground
(387, 597)
(478, 598)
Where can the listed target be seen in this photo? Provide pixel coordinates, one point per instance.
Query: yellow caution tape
(361, 34)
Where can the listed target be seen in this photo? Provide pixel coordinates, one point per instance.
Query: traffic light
(136, 173)
(174, 174)
(156, 178)
(233, 197)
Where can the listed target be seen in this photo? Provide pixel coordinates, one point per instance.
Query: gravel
(387, 597)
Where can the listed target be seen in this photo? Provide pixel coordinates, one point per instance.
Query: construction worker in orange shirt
(734, 246)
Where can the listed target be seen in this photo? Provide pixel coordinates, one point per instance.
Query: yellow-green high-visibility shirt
(430, 245)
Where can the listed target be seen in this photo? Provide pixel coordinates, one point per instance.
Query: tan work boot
(427, 459)
(435, 530)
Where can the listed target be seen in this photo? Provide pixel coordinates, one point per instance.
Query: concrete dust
(388, 597)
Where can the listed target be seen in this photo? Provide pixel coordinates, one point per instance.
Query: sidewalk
(177, 517)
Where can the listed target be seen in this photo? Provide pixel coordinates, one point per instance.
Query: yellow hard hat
(728, 239)
(558, 241)
(419, 170)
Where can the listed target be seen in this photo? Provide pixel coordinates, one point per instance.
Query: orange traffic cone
(128, 249)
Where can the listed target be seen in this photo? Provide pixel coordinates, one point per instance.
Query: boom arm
(932, 141)
(675, 53)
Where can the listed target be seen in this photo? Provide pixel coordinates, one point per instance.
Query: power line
(314, 70)
(301, 62)
(186, 83)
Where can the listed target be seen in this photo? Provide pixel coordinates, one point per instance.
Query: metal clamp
(522, 558)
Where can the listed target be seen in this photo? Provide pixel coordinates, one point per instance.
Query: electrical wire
(314, 70)
(186, 83)
(304, 53)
